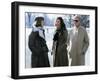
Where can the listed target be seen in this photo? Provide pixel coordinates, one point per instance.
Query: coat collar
(40, 30)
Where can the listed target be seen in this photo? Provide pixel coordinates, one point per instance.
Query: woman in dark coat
(60, 44)
(37, 45)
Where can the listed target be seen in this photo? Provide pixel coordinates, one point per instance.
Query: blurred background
(49, 20)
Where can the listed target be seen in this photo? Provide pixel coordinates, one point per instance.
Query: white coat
(78, 45)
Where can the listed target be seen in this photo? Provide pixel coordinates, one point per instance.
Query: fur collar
(40, 30)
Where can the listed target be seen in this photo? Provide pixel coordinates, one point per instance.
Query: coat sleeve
(86, 42)
(32, 44)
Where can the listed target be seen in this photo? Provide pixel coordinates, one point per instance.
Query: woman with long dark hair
(60, 57)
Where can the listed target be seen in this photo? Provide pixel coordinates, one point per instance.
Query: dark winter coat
(39, 50)
(60, 48)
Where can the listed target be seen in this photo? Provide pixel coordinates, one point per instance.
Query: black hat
(39, 18)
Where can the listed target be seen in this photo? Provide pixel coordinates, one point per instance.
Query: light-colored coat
(78, 45)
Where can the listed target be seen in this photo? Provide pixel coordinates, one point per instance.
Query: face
(76, 22)
(57, 23)
(42, 23)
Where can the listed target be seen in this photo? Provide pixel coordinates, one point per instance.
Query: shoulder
(33, 34)
(82, 29)
(65, 32)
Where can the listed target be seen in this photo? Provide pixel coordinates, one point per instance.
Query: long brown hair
(63, 27)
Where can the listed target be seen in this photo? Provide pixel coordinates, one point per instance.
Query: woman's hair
(63, 27)
(39, 21)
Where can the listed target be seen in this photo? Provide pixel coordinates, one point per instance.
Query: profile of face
(39, 22)
(42, 23)
(58, 24)
(76, 21)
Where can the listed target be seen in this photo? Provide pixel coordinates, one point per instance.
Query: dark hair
(39, 21)
(63, 27)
